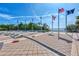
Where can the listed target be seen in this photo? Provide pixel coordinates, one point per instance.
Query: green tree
(21, 26)
(77, 22)
(45, 27)
(71, 28)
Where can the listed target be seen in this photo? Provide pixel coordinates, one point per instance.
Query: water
(54, 30)
(61, 30)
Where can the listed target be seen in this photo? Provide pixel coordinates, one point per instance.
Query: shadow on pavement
(69, 35)
(51, 49)
(50, 34)
(68, 41)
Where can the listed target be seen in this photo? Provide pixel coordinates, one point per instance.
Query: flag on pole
(61, 10)
(41, 22)
(40, 17)
(32, 24)
(70, 11)
(53, 17)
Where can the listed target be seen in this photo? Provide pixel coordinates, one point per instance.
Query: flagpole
(58, 24)
(25, 24)
(52, 26)
(41, 23)
(32, 25)
(66, 22)
(17, 25)
(8, 26)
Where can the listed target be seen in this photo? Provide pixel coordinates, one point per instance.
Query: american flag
(61, 10)
(53, 17)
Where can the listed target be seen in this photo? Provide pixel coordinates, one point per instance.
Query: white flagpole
(52, 25)
(32, 24)
(17, 25)
(8, 25)
(66, 22)
(58, 24)
(25, 24)
(41, 24)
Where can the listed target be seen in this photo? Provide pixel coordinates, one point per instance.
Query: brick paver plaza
(27, 47)
(24, 47)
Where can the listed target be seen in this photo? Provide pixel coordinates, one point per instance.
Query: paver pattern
(53, 42)
(27, 47)
(24, 47)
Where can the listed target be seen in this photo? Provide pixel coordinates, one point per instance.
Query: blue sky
(10, 12)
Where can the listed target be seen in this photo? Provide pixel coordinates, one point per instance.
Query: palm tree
(77, 23)
(71, 28)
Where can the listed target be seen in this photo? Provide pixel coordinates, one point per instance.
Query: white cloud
(5, 16)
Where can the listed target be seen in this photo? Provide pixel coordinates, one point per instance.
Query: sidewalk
(24, 47)
(75, 45)
(53, 42)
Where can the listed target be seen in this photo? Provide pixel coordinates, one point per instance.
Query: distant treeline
(73, 27)
(21, 26)
(38, 27)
